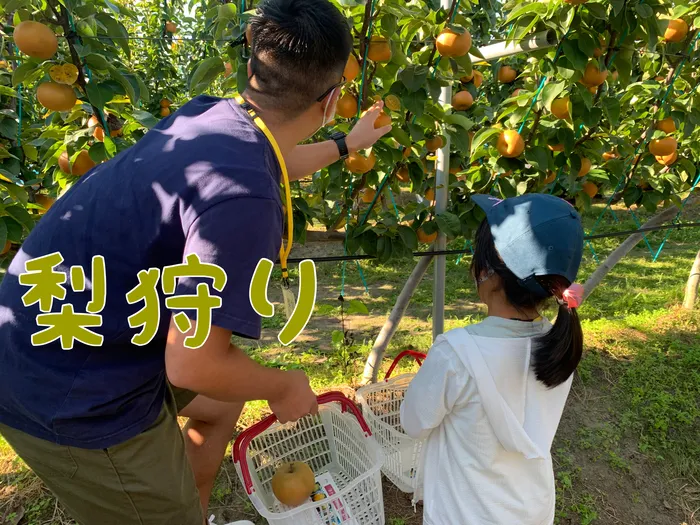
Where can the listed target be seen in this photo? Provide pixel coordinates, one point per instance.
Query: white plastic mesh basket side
(381, 406)
(331, 442)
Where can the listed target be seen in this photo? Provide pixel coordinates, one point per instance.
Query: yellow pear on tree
(561, 108)
(352, 68)
(462, 100)
(56, 97)
(434, 144)
(359, 164)
(379, 50)
(585, 167)
(593, 76)
(667, 160)
(507, 74)
(666, 125)
(347, 106)
(510, 144)
(453, 44)
(676, 31)
(663, 147)
(35, 39)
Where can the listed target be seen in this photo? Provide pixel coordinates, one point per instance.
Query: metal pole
(543, 40)
(441, 194)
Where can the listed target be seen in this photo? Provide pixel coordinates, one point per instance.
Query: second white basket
(381, 407)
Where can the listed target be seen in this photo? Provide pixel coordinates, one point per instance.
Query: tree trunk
(392, 323)
(691, 288)
(626, 247)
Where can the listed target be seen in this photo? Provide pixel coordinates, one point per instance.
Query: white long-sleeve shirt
(489, 426)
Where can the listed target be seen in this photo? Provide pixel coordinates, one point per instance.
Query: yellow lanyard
(284, 250)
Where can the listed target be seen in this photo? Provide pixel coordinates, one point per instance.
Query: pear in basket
(293, 483)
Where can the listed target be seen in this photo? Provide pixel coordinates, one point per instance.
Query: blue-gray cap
(535, 235)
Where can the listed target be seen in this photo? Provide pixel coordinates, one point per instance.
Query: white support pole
(441, 194)
(542, 40)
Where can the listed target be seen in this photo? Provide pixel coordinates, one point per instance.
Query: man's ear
(250, 69)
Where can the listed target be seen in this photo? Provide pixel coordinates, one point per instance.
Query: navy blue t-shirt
(205, 181)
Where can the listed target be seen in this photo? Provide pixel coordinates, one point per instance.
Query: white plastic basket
(337, 441)
(381, 407)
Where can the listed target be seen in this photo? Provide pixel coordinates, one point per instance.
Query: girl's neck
(507, 311)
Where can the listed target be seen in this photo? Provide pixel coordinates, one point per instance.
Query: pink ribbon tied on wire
(573, 295)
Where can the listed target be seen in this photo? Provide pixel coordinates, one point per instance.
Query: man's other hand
(363, 135)
(297, 399)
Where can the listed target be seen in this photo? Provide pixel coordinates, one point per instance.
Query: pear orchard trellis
(499, 50)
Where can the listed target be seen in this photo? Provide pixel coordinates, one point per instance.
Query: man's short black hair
(299, 50)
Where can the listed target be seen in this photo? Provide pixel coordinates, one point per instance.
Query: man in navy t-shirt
(98, 423)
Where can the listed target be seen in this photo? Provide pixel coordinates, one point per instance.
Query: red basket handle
(240, 446)
(418, 356)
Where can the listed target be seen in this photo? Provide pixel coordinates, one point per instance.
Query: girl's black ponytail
(558, 352)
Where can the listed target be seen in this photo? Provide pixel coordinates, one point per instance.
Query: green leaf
(612, 110)
(14, 229)
(415, 102)
(482, 136)
(23, 71)
(337, 338)
(3, 233)
(241, 77)
(116, 31)
(618, 6)
(449, 224)
(577, 58)
(623, 64)
(98, 94)
(413, 77)
(644, 10)
(538, 158)
(460, 120)
(205, 73)
(128, 87)
(586, 44)
(476, 52)
(8, 91)
(145, 118)
(98, 62)
(355, 306)
(30, 152)
(389, 24)
(408, 236)
(434, 89)
(592, 117)
(551, 91)
(21, 215)
(465, 63)
(535, 7)
(631, 195)
(598, 11)
(8, 128)
(416, 132)
(98, 152)
(401, 136)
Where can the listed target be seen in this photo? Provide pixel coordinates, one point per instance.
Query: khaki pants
(146, 480)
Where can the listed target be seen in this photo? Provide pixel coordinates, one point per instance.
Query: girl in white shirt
(489, 397)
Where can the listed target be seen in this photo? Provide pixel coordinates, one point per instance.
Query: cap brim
(485, 202)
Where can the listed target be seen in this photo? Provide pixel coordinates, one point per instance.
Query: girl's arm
(433, 392)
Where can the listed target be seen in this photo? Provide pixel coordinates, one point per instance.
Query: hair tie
(573, 296)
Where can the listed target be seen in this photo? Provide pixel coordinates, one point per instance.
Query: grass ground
(627, 450)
